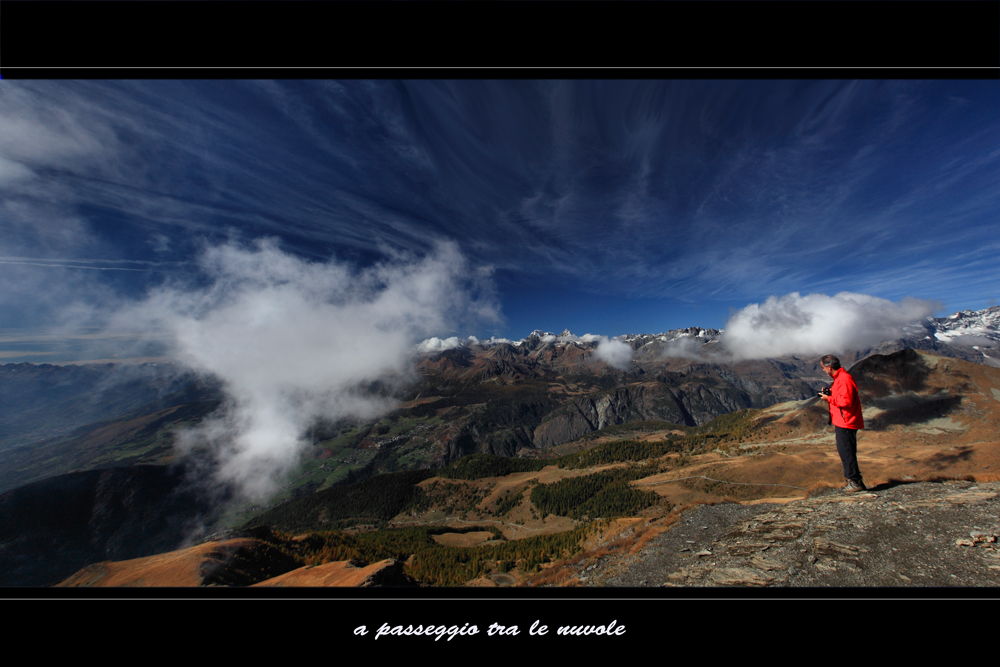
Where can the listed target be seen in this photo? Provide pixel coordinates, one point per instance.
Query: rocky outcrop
(634, 402)
(898, 534)
(690, 402)
(586, 395)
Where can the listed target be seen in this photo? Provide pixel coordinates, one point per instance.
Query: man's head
(831, 364)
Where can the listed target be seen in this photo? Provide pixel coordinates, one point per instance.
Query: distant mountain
(586, 517)
(494, 396)
(970, 335)
(42, 401)
(540, 397)
(141, 435)
(553, 388)
(977, 330)
(927, 417)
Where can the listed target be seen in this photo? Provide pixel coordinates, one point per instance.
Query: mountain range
(541, 399)
(747, 500)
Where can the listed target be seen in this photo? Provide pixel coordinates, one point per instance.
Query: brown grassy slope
(339, 574)
(925, 416)
(185, 567)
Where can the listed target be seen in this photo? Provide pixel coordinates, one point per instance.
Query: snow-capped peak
(965, 327)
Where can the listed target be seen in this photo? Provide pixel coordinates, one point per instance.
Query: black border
(559, 595)
(737, 40)
(159, 39)
(716, 624)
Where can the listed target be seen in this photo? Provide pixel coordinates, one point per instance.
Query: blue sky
(605, 207)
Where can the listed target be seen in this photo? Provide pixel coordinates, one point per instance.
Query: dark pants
(847, 447)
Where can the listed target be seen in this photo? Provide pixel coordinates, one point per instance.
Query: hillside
(897, 534)
(928, 418)
(51, 528)
(44, 401)
(184, 567)
(533, 398)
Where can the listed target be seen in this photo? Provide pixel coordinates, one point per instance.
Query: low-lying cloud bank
(294, 341)
(818, 324)
(614, 353)
(686, 348)
(611, 351)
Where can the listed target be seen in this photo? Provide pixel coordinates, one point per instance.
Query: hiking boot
(853, 487)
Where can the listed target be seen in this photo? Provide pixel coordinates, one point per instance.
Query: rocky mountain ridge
(586, 394)
(978, 330)
(531, 399)
(746, 501)
(896, 534)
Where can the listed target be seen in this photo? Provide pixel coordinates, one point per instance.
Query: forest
(372, 503)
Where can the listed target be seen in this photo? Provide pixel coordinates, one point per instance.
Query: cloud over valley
(294, 341)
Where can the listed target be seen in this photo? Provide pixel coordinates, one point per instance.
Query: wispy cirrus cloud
(687, 190)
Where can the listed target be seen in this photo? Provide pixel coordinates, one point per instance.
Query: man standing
(845, 415)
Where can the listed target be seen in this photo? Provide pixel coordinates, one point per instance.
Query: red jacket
(845, 405)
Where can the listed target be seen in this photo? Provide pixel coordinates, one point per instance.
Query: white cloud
(493, 340)
(611, 351)
(818, 324)
(294, 341)
(435, 344)
(685, 348)
(614, 353)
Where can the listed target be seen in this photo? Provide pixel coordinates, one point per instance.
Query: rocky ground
(899, 534)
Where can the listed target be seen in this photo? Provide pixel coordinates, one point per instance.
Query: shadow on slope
(52, 528)
(899, 386)
(899, 373)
